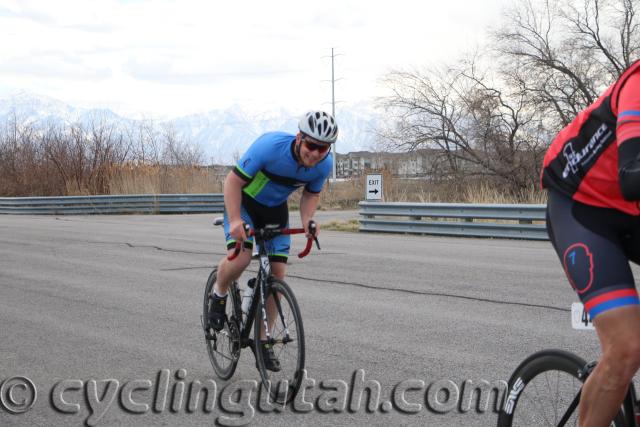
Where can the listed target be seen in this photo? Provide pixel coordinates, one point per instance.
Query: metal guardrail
(456, 219)
(120, 204)
(517, 221)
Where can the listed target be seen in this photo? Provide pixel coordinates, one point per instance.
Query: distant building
(418, 163)
(423, 163)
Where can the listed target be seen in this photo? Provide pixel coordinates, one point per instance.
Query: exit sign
(374, 187)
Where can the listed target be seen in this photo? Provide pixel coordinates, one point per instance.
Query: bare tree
(85, 155)
(492, 116)
(563, 54)
(20, 167)
(84, 158)
(177, 152)
(479, 129)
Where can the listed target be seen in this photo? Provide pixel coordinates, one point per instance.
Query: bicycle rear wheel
(542, 389)
(287, 340)
(223, 346)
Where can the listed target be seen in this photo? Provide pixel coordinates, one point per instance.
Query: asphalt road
(99, 308)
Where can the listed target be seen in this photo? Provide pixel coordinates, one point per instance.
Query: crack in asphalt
(158, 248)
(429, 293)
(182, 251)
(399, 290)
(345, 283)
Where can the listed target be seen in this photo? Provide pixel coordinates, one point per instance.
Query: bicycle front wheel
(542, 389)
(223, 346)
(286, 338)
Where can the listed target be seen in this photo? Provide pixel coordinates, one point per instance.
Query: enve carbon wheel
(223, 346)
(287, 334)
(542, 388)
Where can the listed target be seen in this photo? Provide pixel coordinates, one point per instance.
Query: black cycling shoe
(271, 362)
(217, 312)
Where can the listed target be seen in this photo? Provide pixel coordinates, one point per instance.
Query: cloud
(171, 71)
(180, 56)
(52, 67)
(6, 12)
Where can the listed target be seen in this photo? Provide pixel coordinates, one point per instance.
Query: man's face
(312, 151)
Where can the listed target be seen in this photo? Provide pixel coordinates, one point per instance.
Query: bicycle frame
(262, 236)
(264, 271)
(631, 406)
(630, 403)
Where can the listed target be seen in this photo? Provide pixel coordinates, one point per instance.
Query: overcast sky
(162, 58)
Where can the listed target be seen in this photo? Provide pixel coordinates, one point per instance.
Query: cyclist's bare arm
(232, 201)
(628, 136)
(308, 204)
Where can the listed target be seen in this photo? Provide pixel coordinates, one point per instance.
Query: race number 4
(580, 319)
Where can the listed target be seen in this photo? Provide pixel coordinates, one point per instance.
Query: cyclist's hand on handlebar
(311, 229)
(239, 237)
(237, 230)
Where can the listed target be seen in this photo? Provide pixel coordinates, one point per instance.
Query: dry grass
(145, 179)
(350, 225)
(347, 194)
(484, 193)
(133, 179)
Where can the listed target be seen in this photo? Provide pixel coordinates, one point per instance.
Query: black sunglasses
(321, 148)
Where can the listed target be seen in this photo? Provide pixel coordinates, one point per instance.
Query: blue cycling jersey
(273, 173)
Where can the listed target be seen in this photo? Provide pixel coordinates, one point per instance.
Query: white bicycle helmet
(320, 126)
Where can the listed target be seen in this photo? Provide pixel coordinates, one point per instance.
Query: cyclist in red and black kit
(592, 172)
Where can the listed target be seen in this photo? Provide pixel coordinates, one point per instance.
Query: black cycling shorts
(258, 216)
(595, 246)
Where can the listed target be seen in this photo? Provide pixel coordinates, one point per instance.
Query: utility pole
(333, 113)
(333, 107)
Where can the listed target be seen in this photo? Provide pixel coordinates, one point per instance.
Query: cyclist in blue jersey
(256, 193)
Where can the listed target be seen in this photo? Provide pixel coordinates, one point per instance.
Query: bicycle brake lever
(312, 231)
(240, 246)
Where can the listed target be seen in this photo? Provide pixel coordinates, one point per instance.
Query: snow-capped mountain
(42, 109)
(222, 135)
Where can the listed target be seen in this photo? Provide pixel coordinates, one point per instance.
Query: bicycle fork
(265, 319)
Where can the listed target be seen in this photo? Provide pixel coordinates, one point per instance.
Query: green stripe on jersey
(256, 185)
(246, 175)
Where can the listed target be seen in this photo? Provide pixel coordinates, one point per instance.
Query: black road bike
(271, 311)
(545, 391)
